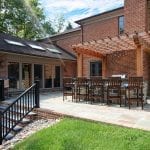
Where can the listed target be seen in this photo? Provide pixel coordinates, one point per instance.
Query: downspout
(82, 37)
(82, 41)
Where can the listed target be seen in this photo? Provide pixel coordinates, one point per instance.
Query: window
(13, 75)
(121, 24)
(36, 47)
(14, 42)
(96, 68)
(54, 50)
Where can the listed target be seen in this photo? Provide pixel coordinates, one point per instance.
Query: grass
(76, 134)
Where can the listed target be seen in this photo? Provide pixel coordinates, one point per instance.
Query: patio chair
(114, 90)
(134, 91)
(96, 89)
(82, 89)
(68, 87)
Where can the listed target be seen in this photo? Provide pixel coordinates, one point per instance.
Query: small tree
(69, 26)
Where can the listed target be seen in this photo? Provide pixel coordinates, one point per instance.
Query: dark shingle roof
(27, 50)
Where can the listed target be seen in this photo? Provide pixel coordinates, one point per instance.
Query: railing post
(1, 137)
(37, 94)
(2, 90)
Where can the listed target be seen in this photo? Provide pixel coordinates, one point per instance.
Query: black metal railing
(1, 90)
(16, 111)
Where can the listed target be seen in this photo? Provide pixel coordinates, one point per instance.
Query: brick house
(113, 42)
(23, 61)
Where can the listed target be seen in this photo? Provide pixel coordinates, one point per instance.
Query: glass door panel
(57, 76)
(13, 75)
(38, 69)
(48, 76)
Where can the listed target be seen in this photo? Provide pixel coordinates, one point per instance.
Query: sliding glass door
(38, 73)
(57, 76)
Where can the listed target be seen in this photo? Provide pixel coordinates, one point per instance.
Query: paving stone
(99, 112)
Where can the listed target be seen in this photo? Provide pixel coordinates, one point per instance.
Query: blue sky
(73, 10)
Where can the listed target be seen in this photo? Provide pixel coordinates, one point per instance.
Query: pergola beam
(110, 45)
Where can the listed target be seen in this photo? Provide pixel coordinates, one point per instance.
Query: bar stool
(68, 87)
(96, 89)
(135, 85)
(114, 89)
(82, 89)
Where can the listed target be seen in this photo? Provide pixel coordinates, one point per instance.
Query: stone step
(32, 114)
(25, 121)
(9, 136)
(3, 107)
(13, 117)
(17, 128)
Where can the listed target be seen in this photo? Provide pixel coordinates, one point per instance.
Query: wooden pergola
(102, 47)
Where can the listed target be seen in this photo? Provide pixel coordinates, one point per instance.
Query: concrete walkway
(135, 118)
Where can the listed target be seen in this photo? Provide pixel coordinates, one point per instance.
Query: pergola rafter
(110, 45)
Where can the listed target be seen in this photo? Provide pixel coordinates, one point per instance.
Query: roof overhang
(103, 47)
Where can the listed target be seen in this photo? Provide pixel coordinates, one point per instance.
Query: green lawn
(74, 134)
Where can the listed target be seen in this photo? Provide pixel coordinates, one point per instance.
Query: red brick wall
(86, 64)
(135, 15)
(67, 40)
(122, 63)
(3, 66)
(102, 26)
(100, 30)
(69, 69)
(117, 63)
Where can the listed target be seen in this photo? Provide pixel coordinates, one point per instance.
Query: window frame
(100, 69)
(119, 31)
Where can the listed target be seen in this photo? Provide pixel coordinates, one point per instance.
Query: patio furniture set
(122, 91)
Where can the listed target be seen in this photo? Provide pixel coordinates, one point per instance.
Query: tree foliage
(69, 26)
(26, 19)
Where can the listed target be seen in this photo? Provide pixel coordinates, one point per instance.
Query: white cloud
(71, 8)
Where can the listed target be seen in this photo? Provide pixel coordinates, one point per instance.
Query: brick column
(80, 65)
(139, 61)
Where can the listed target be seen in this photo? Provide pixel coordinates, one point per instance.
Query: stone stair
(20, 125)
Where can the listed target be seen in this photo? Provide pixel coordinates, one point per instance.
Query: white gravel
(27, 131)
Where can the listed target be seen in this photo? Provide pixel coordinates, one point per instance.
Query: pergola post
(104, 66)
(80, 64)
(139, 61)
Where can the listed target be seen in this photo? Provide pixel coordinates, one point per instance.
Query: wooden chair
(96, 90)
(68, 87)
(135, 85)
(82, 89)
(114, 89)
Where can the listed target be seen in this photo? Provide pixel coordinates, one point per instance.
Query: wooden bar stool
(82, 89)
(68, 87)
(114, 89)
(135, 85)
(96, 89)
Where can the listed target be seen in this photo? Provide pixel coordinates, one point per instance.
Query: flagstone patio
(135, 118)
